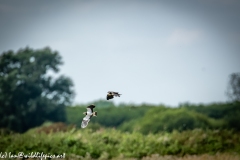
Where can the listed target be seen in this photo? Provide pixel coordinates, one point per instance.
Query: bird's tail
(95, 113)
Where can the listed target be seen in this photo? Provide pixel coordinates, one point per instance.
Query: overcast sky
(150, 51)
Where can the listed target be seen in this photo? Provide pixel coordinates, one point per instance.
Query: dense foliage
(28, 95)
(153, 119)
(110, 116)
(110, 143)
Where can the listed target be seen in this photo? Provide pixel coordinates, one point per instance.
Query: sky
(157, 52)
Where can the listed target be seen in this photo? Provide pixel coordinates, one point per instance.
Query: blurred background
(150, 51)
(176, 64)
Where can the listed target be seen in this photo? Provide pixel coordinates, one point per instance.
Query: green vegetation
(110, 116)
(113, 143)
(153, 119)
(233, 90)
(28, 95)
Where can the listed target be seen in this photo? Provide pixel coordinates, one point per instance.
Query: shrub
(175, 119)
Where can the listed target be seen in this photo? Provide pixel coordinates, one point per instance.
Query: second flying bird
(111, 95)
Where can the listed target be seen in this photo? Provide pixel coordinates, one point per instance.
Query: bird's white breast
(89, 113)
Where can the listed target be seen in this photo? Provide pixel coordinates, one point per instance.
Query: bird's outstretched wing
(85, 121)
(116, 94)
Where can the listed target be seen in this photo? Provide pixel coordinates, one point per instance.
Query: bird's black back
(91, 107)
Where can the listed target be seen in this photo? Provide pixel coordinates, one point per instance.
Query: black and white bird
(89, 114)
(111, 94)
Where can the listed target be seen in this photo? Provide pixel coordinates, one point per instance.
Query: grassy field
(92, 143)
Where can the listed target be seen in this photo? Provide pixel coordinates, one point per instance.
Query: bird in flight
(89, 114)
(111, 94)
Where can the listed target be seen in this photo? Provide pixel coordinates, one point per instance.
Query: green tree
(233, 90)
(28, 94)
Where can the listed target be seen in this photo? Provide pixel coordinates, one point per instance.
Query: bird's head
(85, 113)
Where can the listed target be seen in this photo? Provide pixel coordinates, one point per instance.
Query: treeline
(153, 119)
